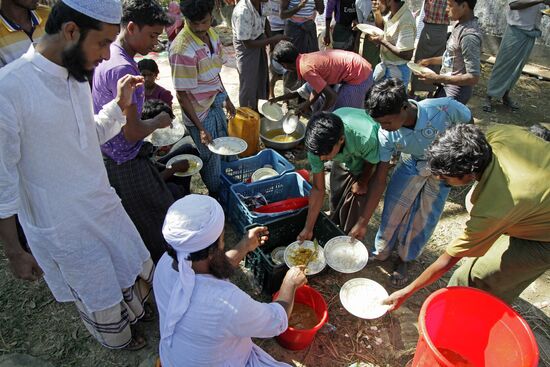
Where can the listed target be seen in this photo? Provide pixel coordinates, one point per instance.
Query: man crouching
(205, 320)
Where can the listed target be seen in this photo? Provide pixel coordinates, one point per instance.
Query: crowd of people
(84, 203)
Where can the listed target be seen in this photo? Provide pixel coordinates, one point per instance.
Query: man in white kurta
(206, 320)
(52, 175)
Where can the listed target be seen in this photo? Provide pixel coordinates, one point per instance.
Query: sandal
(136, 343)
(507, 101)
(488, 105)
(149, 313)
(399, 277)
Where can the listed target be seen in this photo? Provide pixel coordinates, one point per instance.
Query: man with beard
(52, 175)
(205, 320)
(142, 190)
(21, 23)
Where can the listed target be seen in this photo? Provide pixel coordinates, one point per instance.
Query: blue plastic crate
(241, 170)
(290, 185)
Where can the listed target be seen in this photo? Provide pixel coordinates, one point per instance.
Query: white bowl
(263, 174)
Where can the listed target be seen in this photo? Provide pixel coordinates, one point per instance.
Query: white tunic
(52, 175)
(217, 327)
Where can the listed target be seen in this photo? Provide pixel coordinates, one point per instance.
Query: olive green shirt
(512, 196)
(361, 142)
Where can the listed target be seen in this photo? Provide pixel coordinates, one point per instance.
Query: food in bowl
(301, 255)
(284, 138)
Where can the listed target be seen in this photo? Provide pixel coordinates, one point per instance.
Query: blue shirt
(434, 116)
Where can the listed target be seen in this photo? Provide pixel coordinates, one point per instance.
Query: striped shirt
(14, 41)
(196, 70)
(435, 12)
(308, 12)
(400, 31)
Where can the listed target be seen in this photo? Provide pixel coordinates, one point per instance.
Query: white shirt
(246, 22)
(217, 327)
(52, 175)
(526, 19)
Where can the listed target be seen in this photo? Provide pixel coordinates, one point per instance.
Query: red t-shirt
(332, 67)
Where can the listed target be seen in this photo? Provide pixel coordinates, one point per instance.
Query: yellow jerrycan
(246, 125)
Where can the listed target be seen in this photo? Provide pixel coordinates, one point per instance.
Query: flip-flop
(137, 343)
(399, 277)
(508, 102)
(487, 105)
(149, 313)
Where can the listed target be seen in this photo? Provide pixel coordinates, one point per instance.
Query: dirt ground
(31, 322)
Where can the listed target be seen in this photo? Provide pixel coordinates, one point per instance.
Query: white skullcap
(192, 224)
(107, 11)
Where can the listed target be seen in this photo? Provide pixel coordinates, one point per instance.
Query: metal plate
(416, 68)
(189, 157)
(228, 145)
(346, 256)
(363, 298)
(315, 266)
(271, 111)
(370, 29)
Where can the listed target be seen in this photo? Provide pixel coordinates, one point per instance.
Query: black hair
(471, 3)
(196, 10)
(144, 12)
(62, 13)
(540, 131)
(386, 98)
(323, 131)
(149, 65)
(285, 52)
(194, 256)
(153, 107)
(459, 151)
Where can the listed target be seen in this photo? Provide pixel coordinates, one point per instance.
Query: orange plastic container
(467, 327)
(246, 125)
(297, 339)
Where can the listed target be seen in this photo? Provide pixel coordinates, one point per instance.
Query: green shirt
(512, 196)
(361, 142)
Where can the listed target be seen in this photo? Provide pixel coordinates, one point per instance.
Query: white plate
(370, 29)
(167, 135)
(345, 256)
(314, 266)
(228, 145)
(416, 68)
(263, 174)
(189, 157)
(272, 111)
(363, 298)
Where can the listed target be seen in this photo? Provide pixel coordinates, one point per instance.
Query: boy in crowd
(414, 198)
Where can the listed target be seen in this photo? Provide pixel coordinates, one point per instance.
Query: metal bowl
(268, 127)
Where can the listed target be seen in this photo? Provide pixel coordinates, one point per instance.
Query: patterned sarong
(412, 207)
(216, 124)
(144, 196)
(111, 327)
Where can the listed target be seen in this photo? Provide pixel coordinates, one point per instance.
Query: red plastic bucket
(467, 327)
(297, 339)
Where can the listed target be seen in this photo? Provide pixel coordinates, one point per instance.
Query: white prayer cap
(107, 11)
(192, 224)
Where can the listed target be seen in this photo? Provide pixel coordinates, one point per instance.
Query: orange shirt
(332, 67)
